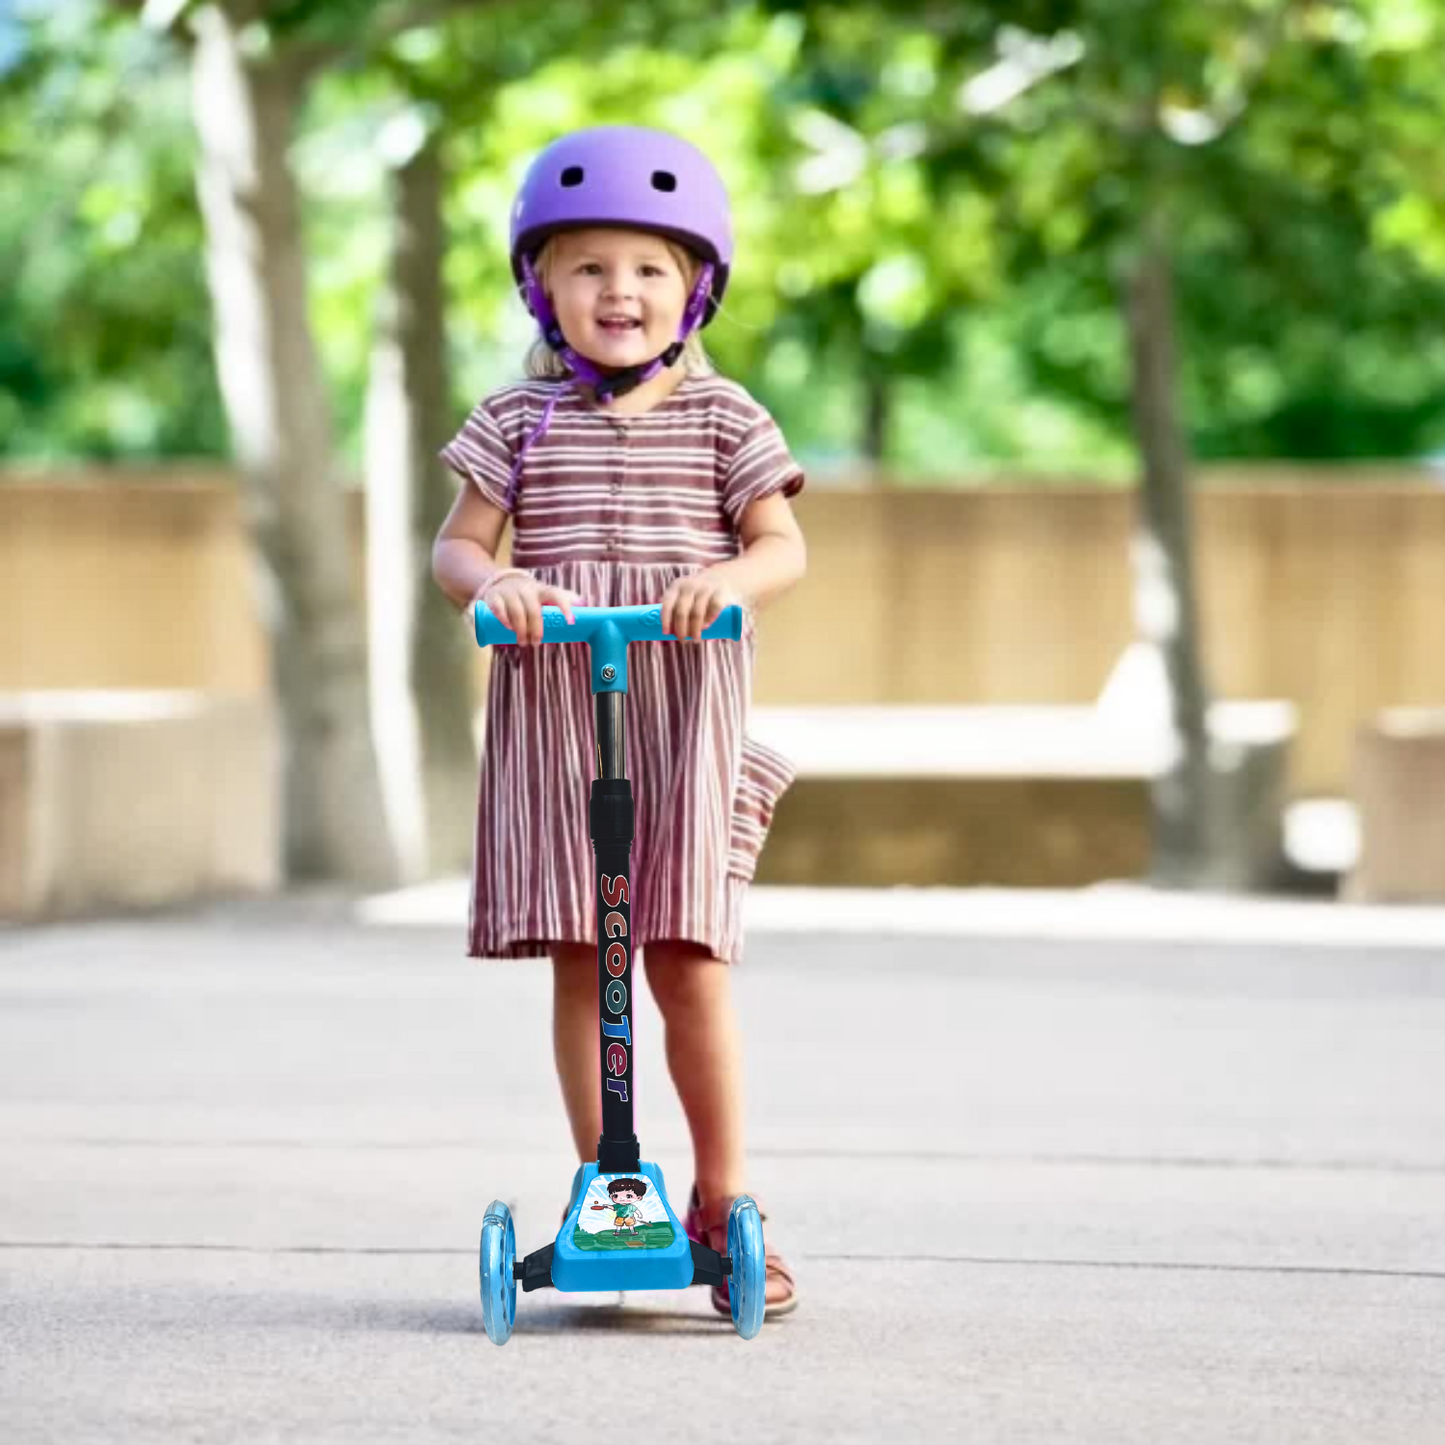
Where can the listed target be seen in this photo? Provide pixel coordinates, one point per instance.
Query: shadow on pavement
(546, 1319)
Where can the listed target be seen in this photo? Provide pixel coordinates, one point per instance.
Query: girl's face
(619, 295)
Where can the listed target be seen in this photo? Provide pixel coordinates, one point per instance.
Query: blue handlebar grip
(638, 624)
(488, 627)
(607, 631)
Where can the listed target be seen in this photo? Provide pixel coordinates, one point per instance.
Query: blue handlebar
(607, 631)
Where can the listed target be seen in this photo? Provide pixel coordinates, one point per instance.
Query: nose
(617, 283)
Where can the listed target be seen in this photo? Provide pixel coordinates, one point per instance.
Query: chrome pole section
(610, 732)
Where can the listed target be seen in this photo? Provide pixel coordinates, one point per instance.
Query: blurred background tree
(104, 320)
(1052, 235)
(1306, 285)
(1247, 160)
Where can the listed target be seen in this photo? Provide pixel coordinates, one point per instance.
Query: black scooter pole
(610, 819)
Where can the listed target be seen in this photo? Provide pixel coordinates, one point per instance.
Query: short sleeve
(761, 464)
(479, 454)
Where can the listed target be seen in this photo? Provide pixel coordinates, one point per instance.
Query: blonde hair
(543, 364)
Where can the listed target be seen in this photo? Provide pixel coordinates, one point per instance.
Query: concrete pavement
(1036, 1189)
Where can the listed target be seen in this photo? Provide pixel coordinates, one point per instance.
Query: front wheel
(499, 1286)
(748, 1283)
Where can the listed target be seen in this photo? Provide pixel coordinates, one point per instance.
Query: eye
(649, 269)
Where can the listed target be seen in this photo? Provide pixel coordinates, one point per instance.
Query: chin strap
(606, 385)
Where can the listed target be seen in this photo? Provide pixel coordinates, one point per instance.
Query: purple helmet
(620, 175)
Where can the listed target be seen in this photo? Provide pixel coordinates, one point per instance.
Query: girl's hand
(518, 601)
(694, 603)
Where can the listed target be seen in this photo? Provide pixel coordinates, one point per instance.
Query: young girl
(631, 473)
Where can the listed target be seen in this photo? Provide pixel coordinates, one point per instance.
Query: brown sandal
(782, 1286)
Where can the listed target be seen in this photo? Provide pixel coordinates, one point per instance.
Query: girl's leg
(575, 1042)
(694, 994)
(704, 1055)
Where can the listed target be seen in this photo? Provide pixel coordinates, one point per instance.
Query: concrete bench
(135, 799)
(1029, 796)
(1399, 790)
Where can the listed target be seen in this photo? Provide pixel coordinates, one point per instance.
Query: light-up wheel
(748, 1283)
(499, 1287)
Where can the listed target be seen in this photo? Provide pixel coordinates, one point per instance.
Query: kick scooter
(620, 1232)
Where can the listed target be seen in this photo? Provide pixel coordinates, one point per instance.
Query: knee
(680, 975)
(574, 967)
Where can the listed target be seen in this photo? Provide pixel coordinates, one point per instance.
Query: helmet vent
(572, 176)
(664, 181)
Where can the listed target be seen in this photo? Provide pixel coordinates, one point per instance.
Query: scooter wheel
(748, 1283)
(499, 1287)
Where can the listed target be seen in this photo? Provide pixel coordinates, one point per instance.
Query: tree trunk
(1186, 838)
(421, 656)
(271, 383)
(876, 408)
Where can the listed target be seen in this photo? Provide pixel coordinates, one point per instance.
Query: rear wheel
(748, 1282)
(499, 1285)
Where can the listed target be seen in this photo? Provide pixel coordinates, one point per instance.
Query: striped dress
(615, 508)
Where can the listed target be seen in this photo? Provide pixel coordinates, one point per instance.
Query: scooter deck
(621, 1234)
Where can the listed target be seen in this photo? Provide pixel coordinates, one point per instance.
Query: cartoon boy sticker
(625, 1195)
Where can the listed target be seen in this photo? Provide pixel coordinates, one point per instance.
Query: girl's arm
(773, 560)
(774, 556)
(464, 561)
(464, 555)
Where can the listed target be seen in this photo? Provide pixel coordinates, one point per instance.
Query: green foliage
(104, 321)
(1288, 146)
(932, 202)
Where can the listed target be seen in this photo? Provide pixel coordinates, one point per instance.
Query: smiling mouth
(619, 325)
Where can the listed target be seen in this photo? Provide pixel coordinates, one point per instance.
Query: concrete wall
(1322, 586)
(127, 578)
